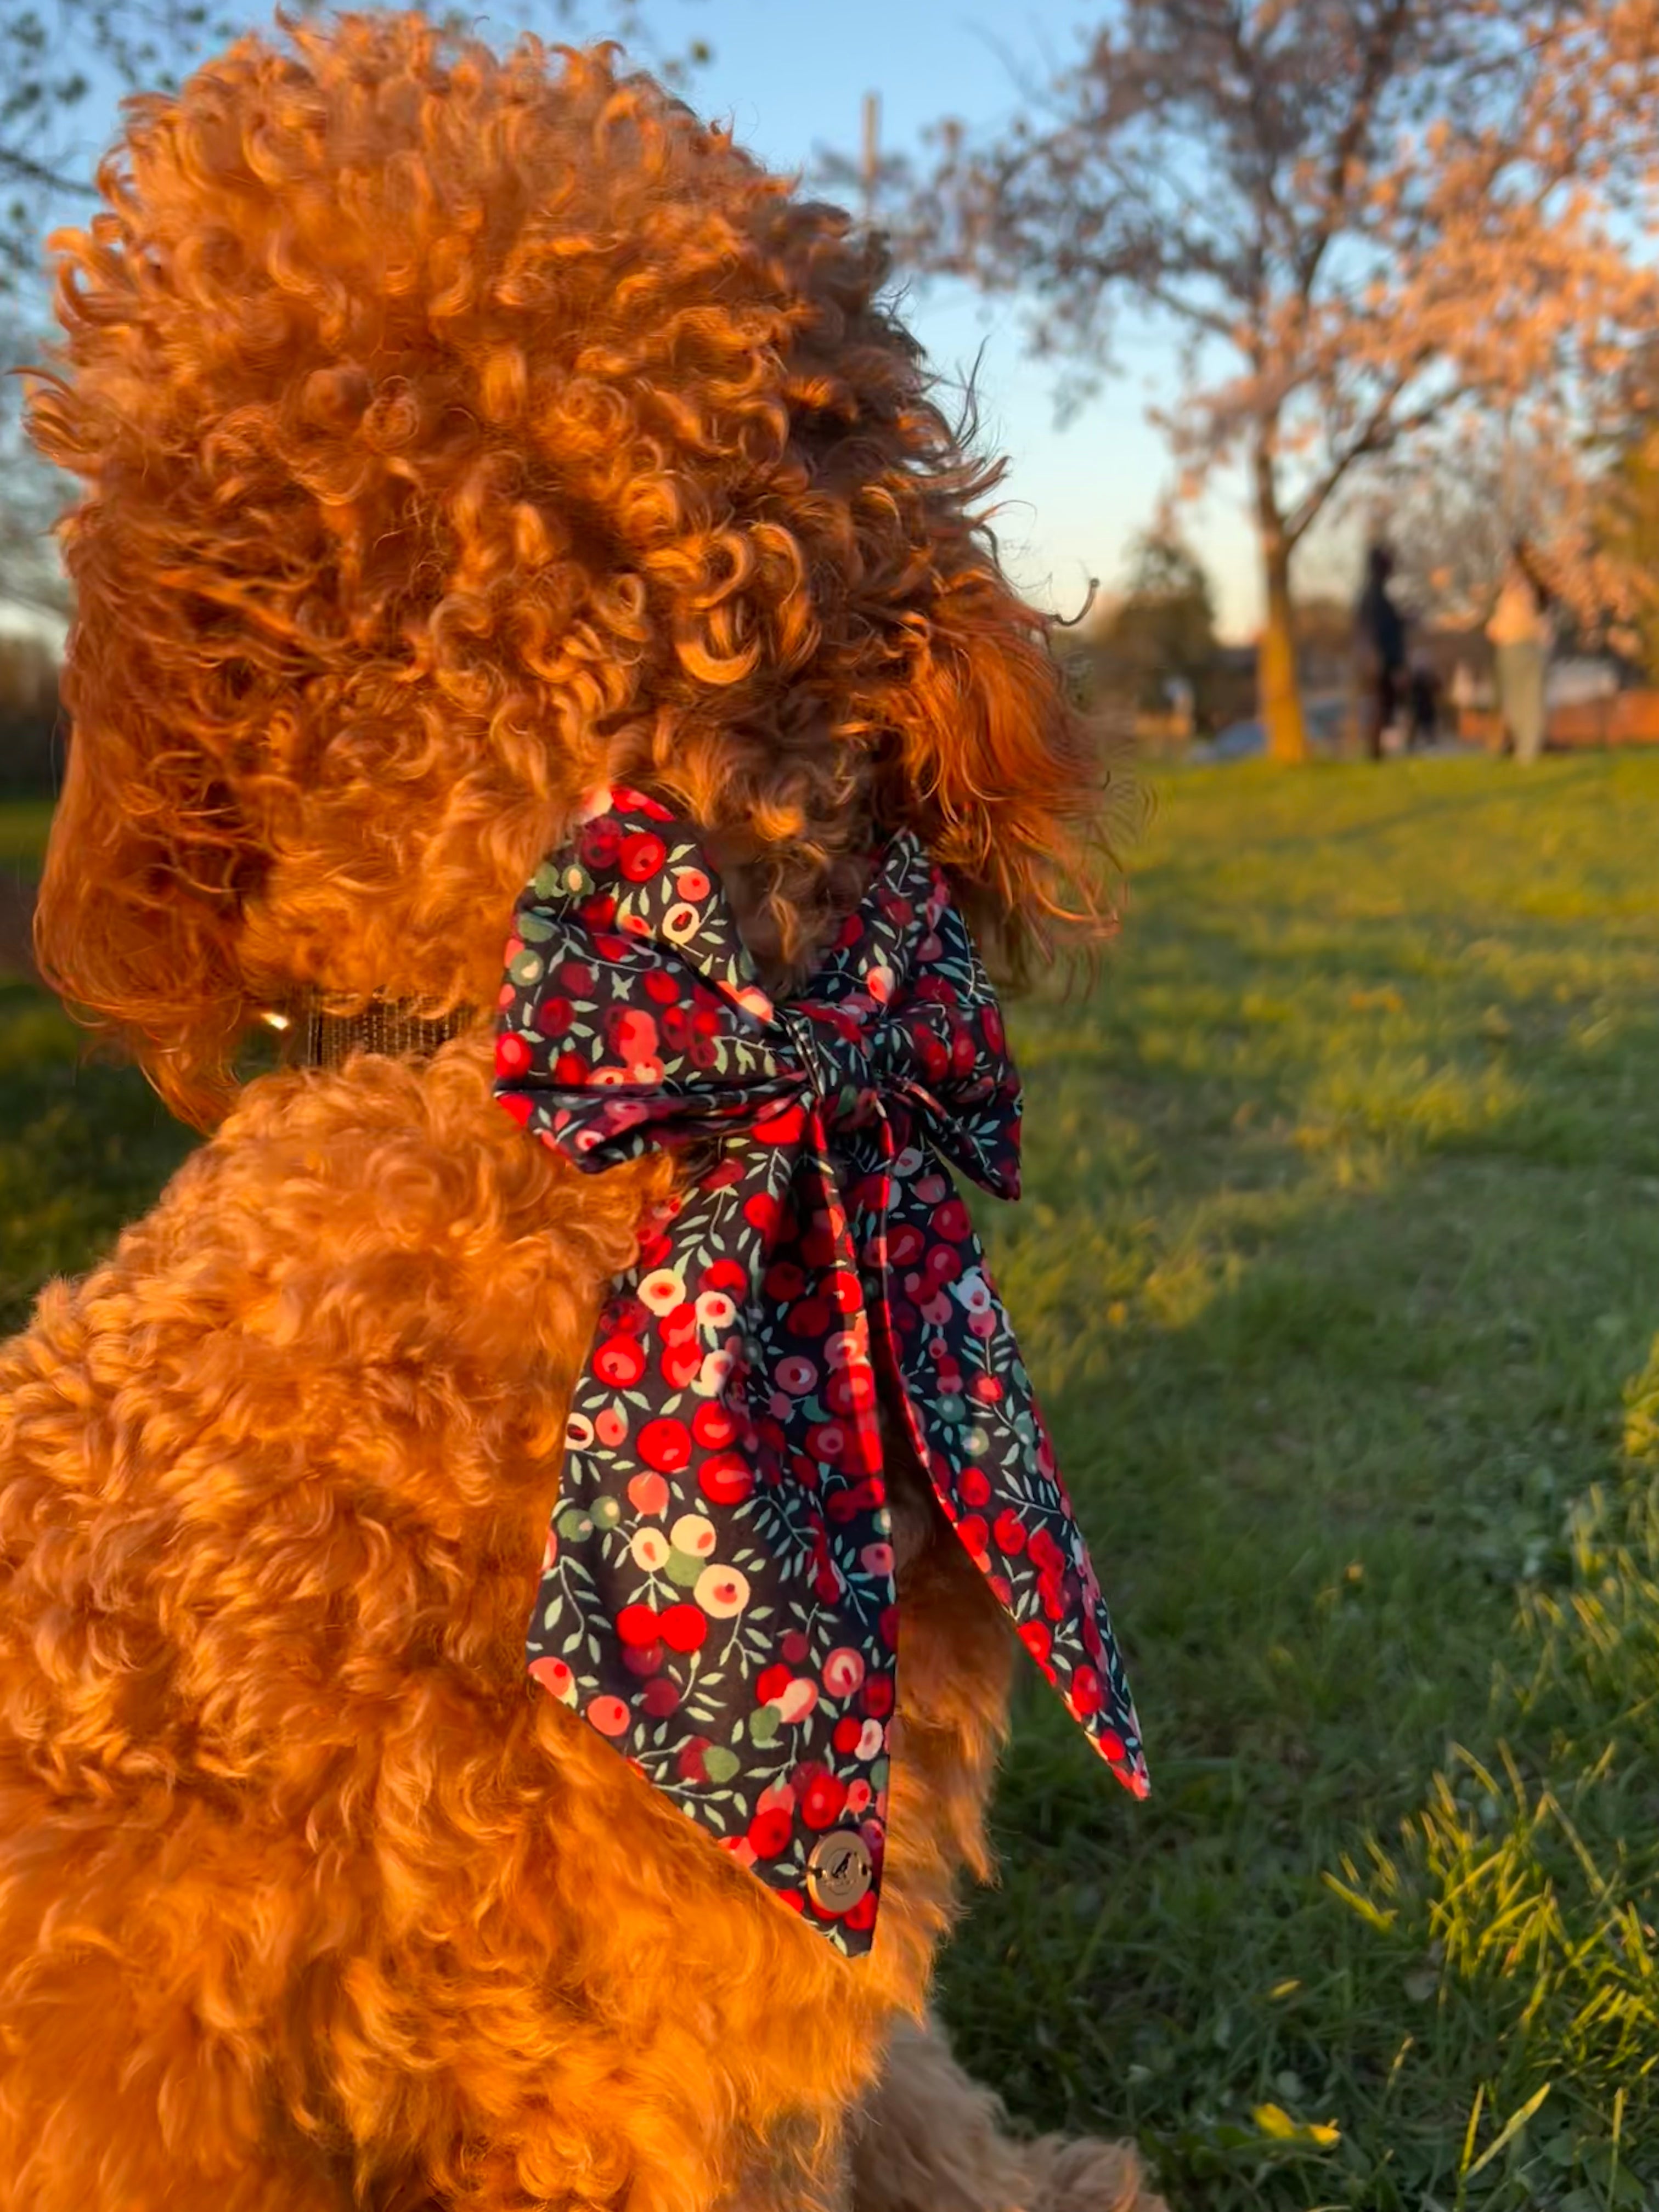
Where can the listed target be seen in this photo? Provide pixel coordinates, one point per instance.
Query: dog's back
(300, 1879)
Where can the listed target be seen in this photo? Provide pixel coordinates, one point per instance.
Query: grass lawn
(1340, 1252)
(1341, 1247)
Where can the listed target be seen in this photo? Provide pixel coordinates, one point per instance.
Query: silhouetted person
(1380, 629)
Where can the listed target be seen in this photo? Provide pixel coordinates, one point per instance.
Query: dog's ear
(1006, 777)
(138, 911)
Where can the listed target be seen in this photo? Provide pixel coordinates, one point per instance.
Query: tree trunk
(1278, 693)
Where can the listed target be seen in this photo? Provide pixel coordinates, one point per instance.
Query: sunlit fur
(454, 433)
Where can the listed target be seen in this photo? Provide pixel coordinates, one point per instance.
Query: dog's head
(458, 434)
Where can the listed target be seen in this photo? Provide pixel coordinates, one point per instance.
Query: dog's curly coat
(456, 434)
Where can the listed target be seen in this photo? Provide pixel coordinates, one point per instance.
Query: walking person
(1521, 632)
(1379, 632)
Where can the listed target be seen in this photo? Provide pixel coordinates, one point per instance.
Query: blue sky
(792, 78)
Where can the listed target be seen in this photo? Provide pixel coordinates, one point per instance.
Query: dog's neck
(389, 1026)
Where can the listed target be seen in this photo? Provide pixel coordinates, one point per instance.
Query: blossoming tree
(1366, 218)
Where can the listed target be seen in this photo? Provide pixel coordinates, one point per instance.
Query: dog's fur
(456, 434)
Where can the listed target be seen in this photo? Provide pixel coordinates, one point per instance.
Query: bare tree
(1366, 220)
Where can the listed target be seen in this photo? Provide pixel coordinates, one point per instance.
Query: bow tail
(974, 1421)
(711, 1611)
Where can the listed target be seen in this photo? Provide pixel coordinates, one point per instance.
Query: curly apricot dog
(457, 436)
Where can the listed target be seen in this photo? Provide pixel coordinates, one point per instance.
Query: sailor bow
(717, 1595)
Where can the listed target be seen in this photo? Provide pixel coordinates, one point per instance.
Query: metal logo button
(839, 1872)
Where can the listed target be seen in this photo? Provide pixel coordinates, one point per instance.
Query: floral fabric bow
(717, 1595)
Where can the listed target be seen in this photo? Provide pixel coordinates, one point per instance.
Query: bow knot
(834, 1049)
(717, 1595)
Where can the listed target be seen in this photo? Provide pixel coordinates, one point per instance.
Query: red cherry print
(847, 1734)
(1085, 1690)
(683, 1627)
(793, 1644)
(638, 1624)
(570, 1071)
(688, 1765)
(725, 1274)
(660, 1698)
(1009, 1533)
(619, 1361)
(680, 1364)
(555, 1016)
(974, 1487)
(643, 856)
(1046, 1555)
(1034, 1636)
(769, 1832)
(643, 1658)
(511, 1055)
(665, 1444)
(951, 1220)
(713, 1425)
(810, 1318)
(821, 1801)
(664, 989)
(725, 1479)
(851, 1389)
(877, 1696)
(600, 842)
(782, 1127)
(972, 1530)
(764, 1212)
(773, 1681)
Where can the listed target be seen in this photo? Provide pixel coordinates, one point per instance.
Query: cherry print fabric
(717, 1595)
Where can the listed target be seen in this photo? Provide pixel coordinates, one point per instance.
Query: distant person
(1520, 631)
(1462, 695)
(1380, 629)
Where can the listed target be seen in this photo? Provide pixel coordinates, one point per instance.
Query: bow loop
(717, 1595)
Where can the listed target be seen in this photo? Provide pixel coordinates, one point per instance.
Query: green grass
(1340, 1250)
(1342, 1240)
(83, 1147)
